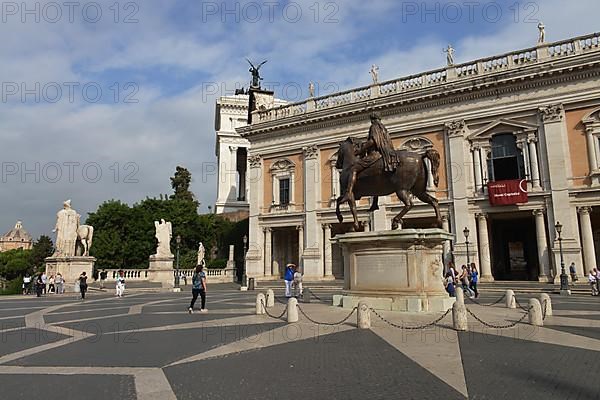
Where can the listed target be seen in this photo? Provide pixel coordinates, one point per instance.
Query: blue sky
(160, 77)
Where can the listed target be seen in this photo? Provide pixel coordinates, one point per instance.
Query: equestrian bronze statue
(374, 168)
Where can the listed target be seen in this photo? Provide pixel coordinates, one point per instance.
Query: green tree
(41, 249)
(180, 183)
(14, 263)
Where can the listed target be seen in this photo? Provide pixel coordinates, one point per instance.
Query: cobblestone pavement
(146, 346)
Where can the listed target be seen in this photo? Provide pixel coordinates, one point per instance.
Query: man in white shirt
(44, 282)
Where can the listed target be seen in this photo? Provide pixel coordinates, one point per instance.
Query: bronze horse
(409, 178)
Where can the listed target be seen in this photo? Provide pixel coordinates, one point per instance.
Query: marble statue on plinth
(72, 239)
(201, 253)
(164, 233)
(72, 247)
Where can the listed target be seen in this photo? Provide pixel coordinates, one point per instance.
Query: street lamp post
(178, 241)
(244, 277)
(466, 233)
(564, 279)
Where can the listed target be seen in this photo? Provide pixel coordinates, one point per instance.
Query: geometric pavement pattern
(146, 346)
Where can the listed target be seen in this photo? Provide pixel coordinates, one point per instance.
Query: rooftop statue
(255, 71)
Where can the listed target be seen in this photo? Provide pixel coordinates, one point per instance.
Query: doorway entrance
(513, 248)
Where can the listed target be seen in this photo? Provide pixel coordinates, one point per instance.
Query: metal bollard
(535, 313)
(292, 310)
(270, 298)
(260, 304)
(459, 317)
(510, 299)
(546, 303)
(363, 316)
(460, 295)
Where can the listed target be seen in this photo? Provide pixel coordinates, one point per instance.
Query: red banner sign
(504, 193)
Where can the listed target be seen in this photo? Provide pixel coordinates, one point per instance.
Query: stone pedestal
(395, 270)
(70, 268)
(161, 270)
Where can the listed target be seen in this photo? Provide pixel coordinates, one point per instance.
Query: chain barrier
(271, 315)
(511, 325)
(314, 295)
(488, 305)
(418, 327)
(526, 309)
(544, 310)
(327, 323)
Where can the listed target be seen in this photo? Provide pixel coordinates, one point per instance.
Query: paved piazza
(146, 346)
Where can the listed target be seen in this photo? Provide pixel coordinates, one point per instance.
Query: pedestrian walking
(39, 283)
(474, 280)
(593, 279)
(464, 281)
(103, 276)
(51, 288)
(449, 283)
(597, 275)
(83, 284)
(573, 272)
(297, 282)
(60, 284)
(44, 282)
(198, 288)
(27, 283)
(289, 279)
(120, 288)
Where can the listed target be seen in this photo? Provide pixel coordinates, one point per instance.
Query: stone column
(311, 255)
(587, 240)
(533, 158)
(476, 154)
(446, 256)
(458, 154)
(559, 172)
(300, 229)
(254, 255)
(328, 250)
(591, 150)
(542, 246)
(268, 252)
(484, 250)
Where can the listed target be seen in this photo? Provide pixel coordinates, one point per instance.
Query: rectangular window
(284, 192)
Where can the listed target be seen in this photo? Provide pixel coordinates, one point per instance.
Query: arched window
(506, 159)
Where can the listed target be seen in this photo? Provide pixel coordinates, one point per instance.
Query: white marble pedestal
(70, 268)
(395, 270)
(161, 270)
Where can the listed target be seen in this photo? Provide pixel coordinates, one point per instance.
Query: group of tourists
(467, 279)
(43, 284)
(594, 280)
(293, 281)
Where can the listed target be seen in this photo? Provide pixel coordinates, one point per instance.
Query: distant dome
(17, 234)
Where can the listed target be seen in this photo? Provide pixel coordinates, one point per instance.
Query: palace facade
(529, 117)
